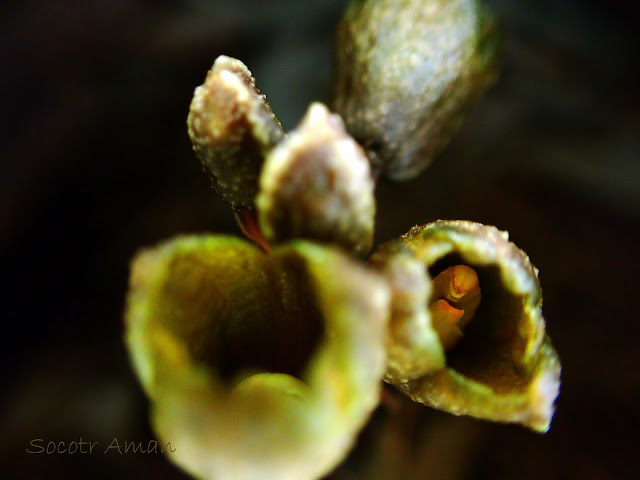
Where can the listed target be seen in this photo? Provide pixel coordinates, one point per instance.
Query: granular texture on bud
(257, 366)
(500, 365)
(406, 72)
(316, 184)
(232, 127)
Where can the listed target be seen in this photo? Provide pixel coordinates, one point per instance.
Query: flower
(256, 365)
(483, 308)
(264, 364)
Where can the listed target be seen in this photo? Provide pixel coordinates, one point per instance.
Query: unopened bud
(316, 184)
(406, 73)
(232, 127)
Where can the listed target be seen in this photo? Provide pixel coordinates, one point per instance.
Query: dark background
(95, 163)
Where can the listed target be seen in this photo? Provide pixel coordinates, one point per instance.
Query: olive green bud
(484, 304)
(232, 127)
(407, 70)
(316, 184)
(256, 365)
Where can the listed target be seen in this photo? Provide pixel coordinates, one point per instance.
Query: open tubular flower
(257, 366)
(484, 307)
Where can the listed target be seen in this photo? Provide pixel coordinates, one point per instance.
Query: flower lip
(455, 297)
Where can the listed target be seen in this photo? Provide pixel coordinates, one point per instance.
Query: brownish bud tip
(232, 127)
(316, 184)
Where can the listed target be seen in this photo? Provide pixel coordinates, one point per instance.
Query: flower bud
(485, 306)
(232, 127)
(316, 184)
(257, 366)
(406, 73)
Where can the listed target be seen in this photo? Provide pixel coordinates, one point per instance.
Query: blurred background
(95, 163)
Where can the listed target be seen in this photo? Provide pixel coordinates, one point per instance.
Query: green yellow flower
(493, 358)
(257, 365)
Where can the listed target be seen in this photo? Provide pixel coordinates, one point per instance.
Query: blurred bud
(257, 366)
(484, 305)
(406, 73)
(316, 184)
(232, 127)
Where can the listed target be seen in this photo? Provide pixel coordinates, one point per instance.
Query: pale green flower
(502, 367)
(256, 365)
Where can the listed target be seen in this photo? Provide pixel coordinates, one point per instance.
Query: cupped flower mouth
(497, 334)
(257, 365)
(499, 363)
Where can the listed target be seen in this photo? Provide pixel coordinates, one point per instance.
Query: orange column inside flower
(455, 299)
